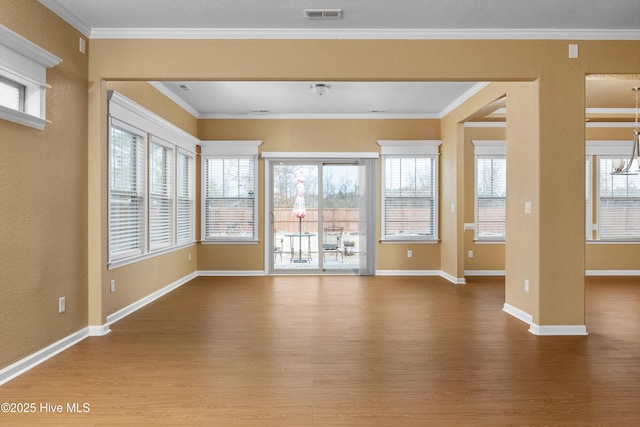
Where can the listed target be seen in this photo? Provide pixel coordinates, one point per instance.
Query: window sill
(409, 242)
(489, 242)
(229, 242)
(613, 242)
(22, 118)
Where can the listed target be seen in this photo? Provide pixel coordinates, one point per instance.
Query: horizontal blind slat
(409, 188)
(126, 198)
(230, 197)
(619, 204)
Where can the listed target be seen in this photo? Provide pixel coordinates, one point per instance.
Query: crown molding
(364, 34)
(322, 116)
(348, 33)
(463, 98)
(160, 87)
(124, 109)
(68, 16)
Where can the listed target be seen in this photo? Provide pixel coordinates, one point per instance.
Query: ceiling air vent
(323, 13)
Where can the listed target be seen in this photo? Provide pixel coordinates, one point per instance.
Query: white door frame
(317, 157)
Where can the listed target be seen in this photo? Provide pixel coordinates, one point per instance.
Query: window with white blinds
(409, 190)
(491, 197)
(409, 198)
(161, 183)
(126, 192)
(23, 79)
(151, 184)
(618, 216)
(185, 198)
(230, 198)
(490, 176)
(12, 94)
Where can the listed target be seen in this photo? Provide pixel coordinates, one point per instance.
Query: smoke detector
(323, 13)
(319, 88)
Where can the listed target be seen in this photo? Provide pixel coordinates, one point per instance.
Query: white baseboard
(544, 330)
(33, 360)
(554, 330)
(227, 273)
(612, 272)
(407, 273)
(484, 273)
(124, 312)
(453, 279)
(29, 362)
(517, 313)
(435, 273)
(99, 331)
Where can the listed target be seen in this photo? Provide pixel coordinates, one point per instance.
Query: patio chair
(278, 247)
(332, 242)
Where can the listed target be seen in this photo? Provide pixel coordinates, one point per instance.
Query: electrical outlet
(526, 285)
(470, 254)
(409, 253)
(189, 256)
(61, 305)
(113, 286)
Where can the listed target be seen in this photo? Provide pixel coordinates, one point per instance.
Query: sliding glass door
(318, 217)
(294, 215)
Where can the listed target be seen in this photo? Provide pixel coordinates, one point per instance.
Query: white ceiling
(297, 100)
(381, 19)
(458, 15)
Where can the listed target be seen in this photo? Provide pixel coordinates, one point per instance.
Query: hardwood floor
(344, 351)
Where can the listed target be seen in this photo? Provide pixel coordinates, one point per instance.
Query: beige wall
(54, 211)
(142, 93)
(557, 133)
(599, 256)
(316, 135)
(486, 256)
(136, 281)
(43, 197)
(456, 176)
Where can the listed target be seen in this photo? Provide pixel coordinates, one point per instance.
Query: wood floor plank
(345, 351)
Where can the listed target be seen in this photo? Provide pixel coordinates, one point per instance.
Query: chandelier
(621, 166)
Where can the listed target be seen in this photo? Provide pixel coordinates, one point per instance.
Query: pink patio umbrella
(299, 209)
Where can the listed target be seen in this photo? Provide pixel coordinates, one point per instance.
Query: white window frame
(139, 165)
(595, 151)
(25, 64)
(411, 149)
(487, 149)
(590, 227)
(189, 198)
(228, 150)
(151, 127)
(168, 197)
